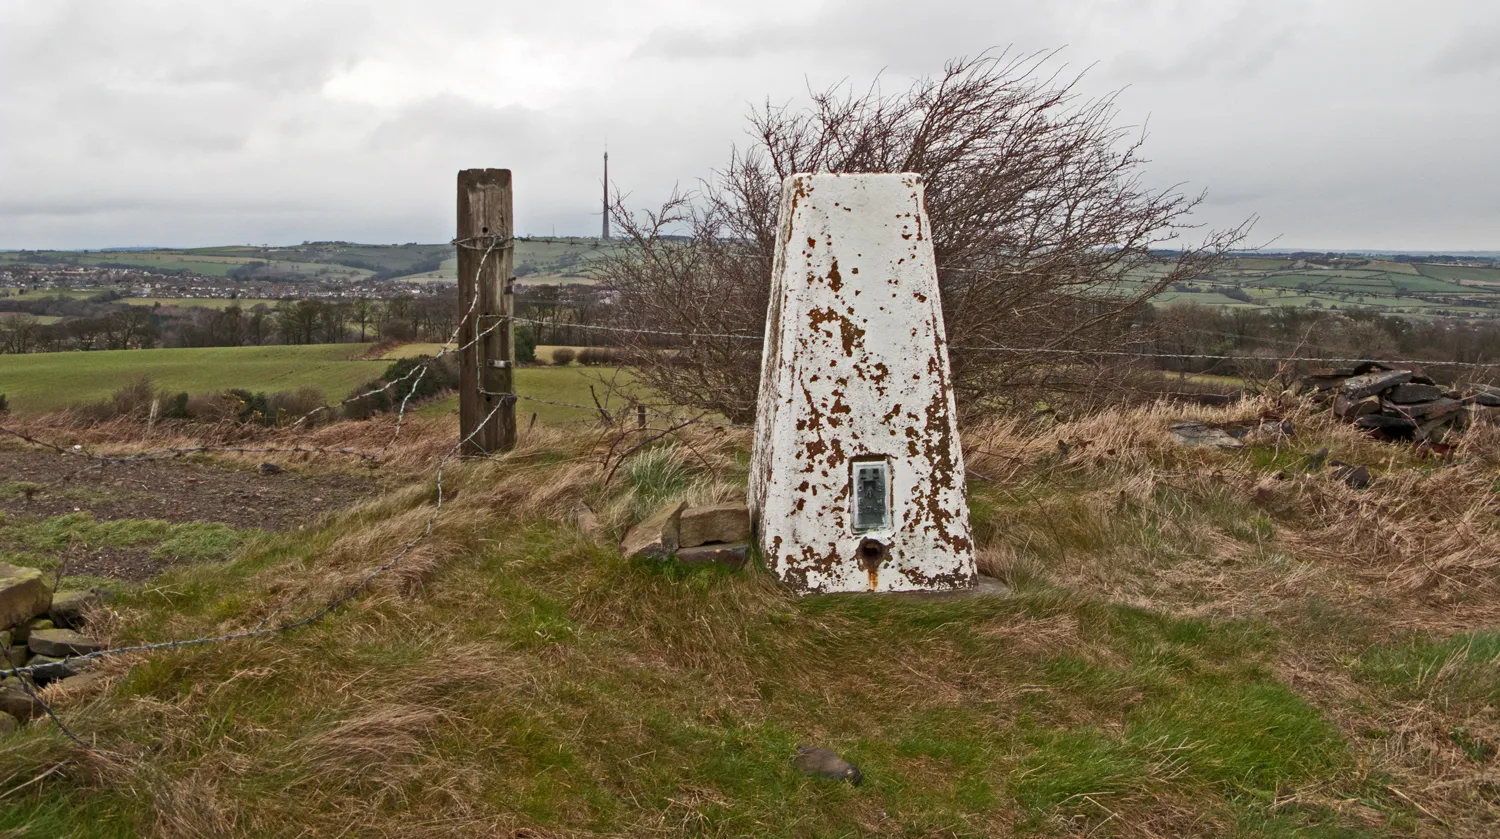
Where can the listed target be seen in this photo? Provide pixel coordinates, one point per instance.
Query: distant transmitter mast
(605, 237)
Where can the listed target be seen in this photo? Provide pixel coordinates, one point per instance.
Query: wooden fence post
(486, 255)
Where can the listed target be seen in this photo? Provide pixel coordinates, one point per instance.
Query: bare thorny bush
(1045, 235)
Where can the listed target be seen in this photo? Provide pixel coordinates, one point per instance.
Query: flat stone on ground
(23, 594)
(656, 537)
(1201, 434)
(719, 523)
(732, 555)
(61, 642)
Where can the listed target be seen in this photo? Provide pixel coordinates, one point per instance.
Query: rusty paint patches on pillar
(857, 478)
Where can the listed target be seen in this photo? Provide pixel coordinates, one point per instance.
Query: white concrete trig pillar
(857, 477)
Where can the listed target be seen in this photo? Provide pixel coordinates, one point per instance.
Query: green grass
(1455, 273)
(42, 542)
(52, 381)
(554, 384)
(520, 674)
(1463, 669)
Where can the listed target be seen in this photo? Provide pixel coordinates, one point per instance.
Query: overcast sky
(1343, 123)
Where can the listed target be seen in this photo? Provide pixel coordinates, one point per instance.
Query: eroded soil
(40, 485)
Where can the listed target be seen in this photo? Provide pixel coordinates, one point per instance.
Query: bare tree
(1048, 243)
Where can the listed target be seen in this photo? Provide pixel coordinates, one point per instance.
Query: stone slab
(719, 523)
(656, 537)
(733, 555)
(1372, 383)
(61, 642)
(1203, 435)
(1410, 393)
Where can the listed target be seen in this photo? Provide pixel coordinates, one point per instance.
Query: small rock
(15, 657)
(1350, 409)
(269, 469)
(15, 701)
(22, 632)
(1372, 383)
(586, 521)
(1200, 434)
(719, 523)
(826, 764)
(68, 607)
(1410, 393)
(656, 537)
(80, 682)
(1487, 395)
(1357, 477)
(1434, 430)
(23, 594)
(61, 642)
(733, 555)
(50, 668)
(8, 724)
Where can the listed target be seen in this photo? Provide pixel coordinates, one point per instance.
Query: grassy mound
(1198, 643)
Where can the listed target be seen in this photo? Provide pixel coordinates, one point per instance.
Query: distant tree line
(1254, 336)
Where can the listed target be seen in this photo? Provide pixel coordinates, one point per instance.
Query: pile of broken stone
(712, 535)
(1399, 403)
(40, 629)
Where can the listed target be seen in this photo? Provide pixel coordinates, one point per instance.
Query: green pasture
(42, 382)
(1455, 273)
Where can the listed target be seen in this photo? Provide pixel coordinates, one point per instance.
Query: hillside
(550, 260)
(1194, 642)
(1405, 287)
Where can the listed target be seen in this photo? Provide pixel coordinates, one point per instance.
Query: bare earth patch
(42, 485)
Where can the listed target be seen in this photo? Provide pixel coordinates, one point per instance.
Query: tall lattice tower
(605, 237)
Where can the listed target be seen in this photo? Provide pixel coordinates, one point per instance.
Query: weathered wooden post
(856, 477)
(486, 417)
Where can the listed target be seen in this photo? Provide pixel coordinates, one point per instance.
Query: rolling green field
(553, 261)
(31, 382)
(51, 381)
(1390, 287)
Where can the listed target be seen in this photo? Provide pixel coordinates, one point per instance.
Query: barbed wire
(1053, 350)
(608, 328)
(623, 410)
(1210, 356)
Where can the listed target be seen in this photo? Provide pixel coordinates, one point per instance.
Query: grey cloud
(1476, 51)
(681, 43)
(196, 123)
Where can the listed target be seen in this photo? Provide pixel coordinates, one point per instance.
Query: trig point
(857, 478)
